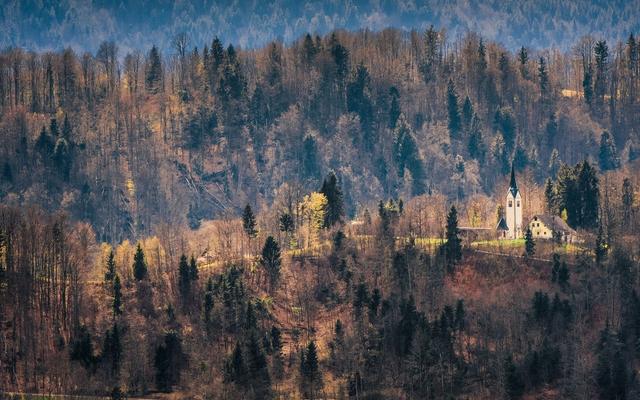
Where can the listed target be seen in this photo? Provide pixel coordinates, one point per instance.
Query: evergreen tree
(394, 107)
(608, 155)
(551, 129)
(550, 197)
(184, 279)
(7, 173)
(112, 348)
(453, 245)
(153, 71)
(139, 265)
(513, 383)
(309, 162)
(309, 371)
(529, 244)
(587, 84)
(523, 58)
(543, 78)
(477, 148)
(286, 223)
(260, 380)
(455, 122)
(407, 155)
(235, 367)
(601, 51)
(600, 246)
(628, 199)
(335, 206)
(117, 296)
(82, 348)
(563, 276)
(169, 361)
(271, 261)
(467, 112)
(249, 222)
(193, 269)
(111, 268)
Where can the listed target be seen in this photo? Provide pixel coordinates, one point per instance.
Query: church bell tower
(513, 208)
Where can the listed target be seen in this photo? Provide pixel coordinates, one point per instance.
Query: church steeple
(513, 186)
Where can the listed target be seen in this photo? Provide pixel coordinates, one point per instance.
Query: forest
(291, 221)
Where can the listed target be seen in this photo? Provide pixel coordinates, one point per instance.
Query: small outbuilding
(546, 226)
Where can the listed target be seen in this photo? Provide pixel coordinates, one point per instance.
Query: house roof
(553, 222)
(502, 225)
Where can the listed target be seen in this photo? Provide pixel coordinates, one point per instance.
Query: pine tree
(139, 265)
(600, 246)
(628, 199)
(513, 384)
(394, 107)
(184, 279)
(235, 367)
(453, 245)
(608, 155)
(111, 268)
(117, 296)
(523, 58)
(335, 205)
(112, 348)
(467, 112)
(169, 361)
(587, 84)
(193, 269)
(477, 148)
(550, 197)
(309, 371)
(249, 222)
(153, 72)
(601, 51)
(543, 78)
(563, 276)
(271, 261)
(529, 244)
(286, 223)
(257, 367)
(455, 123)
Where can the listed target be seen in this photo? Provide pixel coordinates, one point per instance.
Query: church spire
(513, 186)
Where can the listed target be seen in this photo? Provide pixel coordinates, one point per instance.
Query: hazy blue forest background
(43, 25)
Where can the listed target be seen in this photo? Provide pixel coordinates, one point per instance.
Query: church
(510, 224)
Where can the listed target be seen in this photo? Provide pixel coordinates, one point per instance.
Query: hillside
(192, 133)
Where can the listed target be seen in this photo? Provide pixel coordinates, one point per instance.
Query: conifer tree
(453, 245)
(455, 123)
(600, 246)
(193, 269)
(608, 155)
(184, 279)
(523, 58)
(628, 199)
(271, 261)
(153, 72)
(394, 107)
(309, 371)
(249, 222)
(111, 268)
(335, 205)
(139, 265)
(117, 296)
(529, 244)
(513, 384)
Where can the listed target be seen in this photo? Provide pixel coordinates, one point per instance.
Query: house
(546, 226)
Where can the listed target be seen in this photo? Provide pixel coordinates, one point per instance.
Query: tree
(453, 245)
(455, 123)
(286, 223)
(169, 361)
(184, 279)
(117, 296)
(608, 155)
(394, 107)
(335, 206)
(550, 197)
(271, 261)
(153, 72)
(628, 199)
(407, 155)
(249, 222)
(111, 268)
(601, 51)
(523, 58)
(235, 367)
(310, 374)
(513, 384)
(260, 380)
(529, 244)
(112, 348)
(139, 265)
(601, 246)
(543, 78)
(193, 269)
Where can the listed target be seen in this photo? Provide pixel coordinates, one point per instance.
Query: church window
(510, 203)
(517, 204)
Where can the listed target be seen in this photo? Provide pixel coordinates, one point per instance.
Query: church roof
(502, 225)
(513, 186)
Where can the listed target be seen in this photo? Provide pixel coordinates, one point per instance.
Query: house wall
(540, 230)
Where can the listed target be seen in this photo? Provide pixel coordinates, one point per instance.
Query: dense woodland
(285, 222)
